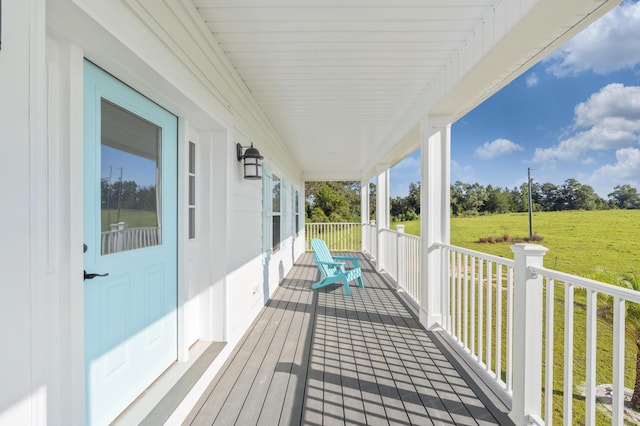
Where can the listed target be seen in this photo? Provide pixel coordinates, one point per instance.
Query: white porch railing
(486, 316)
(501, 312)
(478, 308)
(400, 259)
(568, 285)
(338, 236)
(370, 240)
(117, 240)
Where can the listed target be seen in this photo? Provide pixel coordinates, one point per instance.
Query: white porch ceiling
(344, 82)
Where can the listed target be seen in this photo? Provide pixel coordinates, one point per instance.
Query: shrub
(506, 238)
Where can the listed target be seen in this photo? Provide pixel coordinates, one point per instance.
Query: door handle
(92, 276)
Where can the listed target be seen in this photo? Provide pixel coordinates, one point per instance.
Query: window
(276, 210)
(192, 190)
(296, 211)
(131, 154)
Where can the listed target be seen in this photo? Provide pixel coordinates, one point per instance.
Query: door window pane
(130, 180)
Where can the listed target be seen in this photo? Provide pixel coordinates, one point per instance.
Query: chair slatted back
(322, 253)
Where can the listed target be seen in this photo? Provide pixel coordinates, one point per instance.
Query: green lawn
(135, 218)
(579, 243)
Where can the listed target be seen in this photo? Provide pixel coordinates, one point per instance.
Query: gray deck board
(320, 358)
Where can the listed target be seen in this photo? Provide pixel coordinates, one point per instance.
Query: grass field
(135, 218)
(579, 243)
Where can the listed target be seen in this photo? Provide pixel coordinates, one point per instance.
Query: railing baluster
(465, 302)
(590, 369)
(488, 314)
(461, 281)
(455, 274)
(498, 362)
(510, 329)
(480, 315)
(548, 358)
(472, 314)
(618, 359)
(568, 355)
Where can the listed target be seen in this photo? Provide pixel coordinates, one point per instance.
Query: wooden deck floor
(320, 358)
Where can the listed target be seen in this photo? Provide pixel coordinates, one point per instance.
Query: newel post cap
(529, 249)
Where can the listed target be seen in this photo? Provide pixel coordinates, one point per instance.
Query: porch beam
(435, 151)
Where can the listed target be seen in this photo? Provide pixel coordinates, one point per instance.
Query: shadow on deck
(317, 358)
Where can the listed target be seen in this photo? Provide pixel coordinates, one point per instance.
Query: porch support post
(382, 197)
(435, 151)
(382, 211)
(365, 212)
(527, 334)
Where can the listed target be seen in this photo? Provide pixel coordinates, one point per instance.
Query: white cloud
(614, 106)
(609, 44)
(462, 173)
(532, 80)
(497, 148)
(595, 139)
(626, 170)
(609, 119)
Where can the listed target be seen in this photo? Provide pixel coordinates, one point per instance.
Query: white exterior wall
(41, 292)
(16, 283)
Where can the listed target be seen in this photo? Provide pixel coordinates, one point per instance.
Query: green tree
(518, 199)
(467, 199)
(413, 199)
(373, 196)
(498, 200)
(456, 198)
(548, 197)
(625, 197)
(576, 196)
(338, 201)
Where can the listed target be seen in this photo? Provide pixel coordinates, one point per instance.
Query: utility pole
(119, 196)
(530, 208)
(109, 197)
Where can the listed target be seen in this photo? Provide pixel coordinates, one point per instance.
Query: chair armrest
(355, 260)
(330, 263)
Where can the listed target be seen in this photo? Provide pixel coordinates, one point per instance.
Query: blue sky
(576, 114)
(134, 168)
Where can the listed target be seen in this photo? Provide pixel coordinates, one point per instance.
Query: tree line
(473, 199)
(336, 201)
(340, 201)
(128, 195)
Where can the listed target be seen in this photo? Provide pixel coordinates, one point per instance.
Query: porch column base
(430, 322)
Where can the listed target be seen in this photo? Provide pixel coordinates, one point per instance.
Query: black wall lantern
(252, 162)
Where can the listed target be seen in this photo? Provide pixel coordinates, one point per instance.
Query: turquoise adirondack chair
(333, 271)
